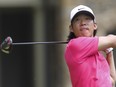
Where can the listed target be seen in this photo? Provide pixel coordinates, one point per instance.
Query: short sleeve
(84, 46)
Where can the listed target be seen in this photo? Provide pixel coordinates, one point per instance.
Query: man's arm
(106, 42)
(110, 60)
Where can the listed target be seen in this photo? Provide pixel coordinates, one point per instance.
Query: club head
(6, 45)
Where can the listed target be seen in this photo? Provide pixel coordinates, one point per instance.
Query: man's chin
(86, 36)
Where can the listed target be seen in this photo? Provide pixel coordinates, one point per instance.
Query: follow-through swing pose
(87, 66)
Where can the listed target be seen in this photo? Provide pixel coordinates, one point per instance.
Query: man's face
(83, 26)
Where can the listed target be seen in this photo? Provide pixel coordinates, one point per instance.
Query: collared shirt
(87, 66)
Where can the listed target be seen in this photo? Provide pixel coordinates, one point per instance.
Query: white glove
(108, 50)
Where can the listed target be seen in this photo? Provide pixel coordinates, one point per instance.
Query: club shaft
(34, 43)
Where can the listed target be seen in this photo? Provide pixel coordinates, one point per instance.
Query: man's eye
(88, 18)
(76, 19)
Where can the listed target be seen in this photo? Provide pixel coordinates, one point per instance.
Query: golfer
(88, 67)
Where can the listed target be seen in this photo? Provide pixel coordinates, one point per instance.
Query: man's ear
(71, 29)
(95, 26)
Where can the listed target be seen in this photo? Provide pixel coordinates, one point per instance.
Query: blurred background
(43, 20)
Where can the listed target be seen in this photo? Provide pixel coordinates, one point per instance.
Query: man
(87, 66)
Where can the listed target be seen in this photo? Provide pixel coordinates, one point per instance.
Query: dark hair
(71, 36)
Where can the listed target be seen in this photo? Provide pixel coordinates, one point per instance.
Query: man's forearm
(110, 60)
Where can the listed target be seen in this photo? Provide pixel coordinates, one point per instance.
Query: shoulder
(83, 40)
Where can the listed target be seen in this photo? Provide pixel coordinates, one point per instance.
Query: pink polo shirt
(87, 66)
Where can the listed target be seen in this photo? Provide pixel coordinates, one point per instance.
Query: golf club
(8, 43)
(34, 43)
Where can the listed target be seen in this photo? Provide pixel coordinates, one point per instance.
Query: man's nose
(83, 22)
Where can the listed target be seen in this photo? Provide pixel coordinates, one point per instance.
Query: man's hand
(108, 50)
(6, 45)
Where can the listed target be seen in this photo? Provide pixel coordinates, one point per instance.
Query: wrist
(109, 50)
